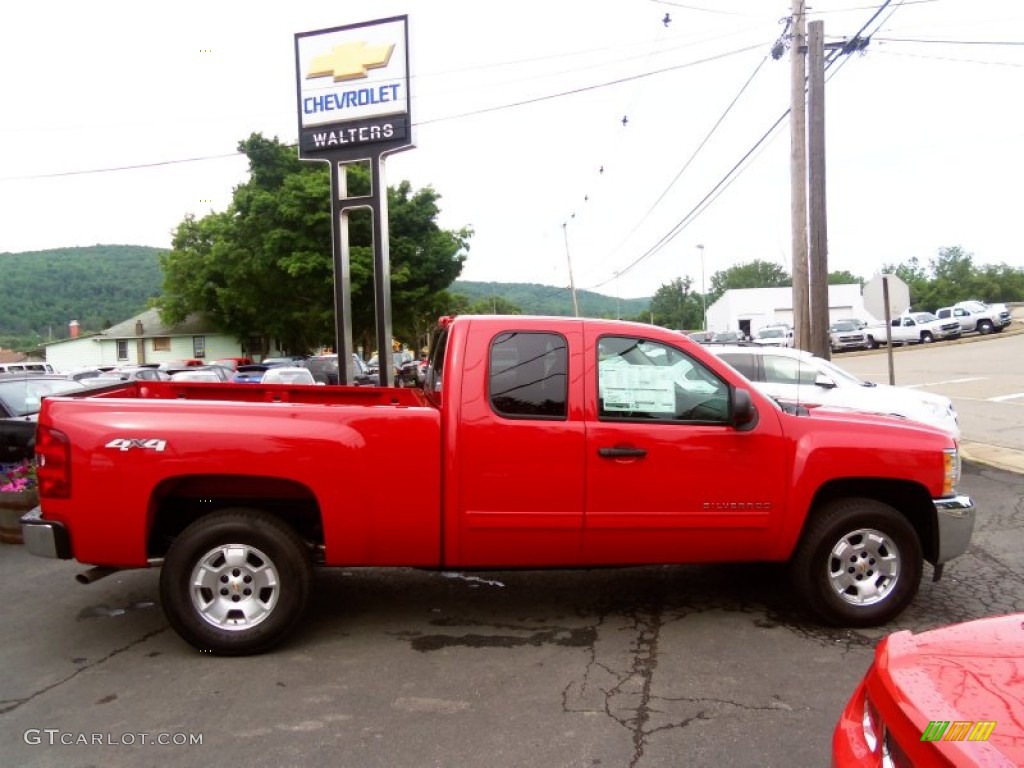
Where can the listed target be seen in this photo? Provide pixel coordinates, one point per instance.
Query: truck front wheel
(858, 563)
(985, 326)
(235, 582)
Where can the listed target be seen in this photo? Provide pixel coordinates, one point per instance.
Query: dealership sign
(353, 87)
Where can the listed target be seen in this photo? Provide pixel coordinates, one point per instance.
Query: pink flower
(19, 479)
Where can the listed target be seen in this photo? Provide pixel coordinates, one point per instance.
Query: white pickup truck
(977, 316)
(917, 328)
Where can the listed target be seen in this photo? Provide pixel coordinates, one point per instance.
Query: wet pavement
(660, 666)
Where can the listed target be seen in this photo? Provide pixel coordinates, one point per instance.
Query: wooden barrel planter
(12, 506)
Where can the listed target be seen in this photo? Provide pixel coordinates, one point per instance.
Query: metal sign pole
(353, 100)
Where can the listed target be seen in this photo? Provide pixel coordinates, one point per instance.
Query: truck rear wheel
(858, 563)
(235, 582)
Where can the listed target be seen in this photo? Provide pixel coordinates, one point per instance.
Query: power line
(729, 176)
(119, 167)
(951, 58)
(811, 11)
(703, 10)
(947, 42)
(586, 88)
(484, 110)
(690, 160)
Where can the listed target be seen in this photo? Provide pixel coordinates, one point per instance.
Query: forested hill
(534, 299)
(99, 286)
(102, 285)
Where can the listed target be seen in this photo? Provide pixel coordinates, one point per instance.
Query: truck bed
(259, 393)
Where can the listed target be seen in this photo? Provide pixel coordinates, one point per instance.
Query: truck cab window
(527, 375)
(639, 379)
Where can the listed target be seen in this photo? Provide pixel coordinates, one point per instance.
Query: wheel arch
(909, 499)
(178, 502)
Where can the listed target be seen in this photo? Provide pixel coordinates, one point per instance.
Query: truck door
(520, 450)
(669, 479)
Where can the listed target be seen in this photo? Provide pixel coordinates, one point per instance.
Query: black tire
(858, 563)
(926, 337)
(249, 606)
(985, 327)
(871, 343)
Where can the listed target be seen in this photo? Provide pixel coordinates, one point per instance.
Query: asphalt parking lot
(634, 667)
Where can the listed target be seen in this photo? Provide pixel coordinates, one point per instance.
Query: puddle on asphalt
(106, 612)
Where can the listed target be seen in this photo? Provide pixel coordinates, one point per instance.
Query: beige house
(142, 339)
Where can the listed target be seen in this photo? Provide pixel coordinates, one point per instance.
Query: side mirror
(744, 414)
(824, 381)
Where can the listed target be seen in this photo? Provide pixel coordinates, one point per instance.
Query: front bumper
(955, 520)
(45, 538)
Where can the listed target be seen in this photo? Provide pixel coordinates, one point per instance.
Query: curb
(995, 456)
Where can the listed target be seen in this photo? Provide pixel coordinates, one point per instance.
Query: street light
(703, 295)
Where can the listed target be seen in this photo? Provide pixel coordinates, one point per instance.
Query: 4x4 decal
(127, 443)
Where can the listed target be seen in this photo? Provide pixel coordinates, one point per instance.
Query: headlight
(951, 459)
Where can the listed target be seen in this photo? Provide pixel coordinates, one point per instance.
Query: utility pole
(572, 285)
(798, 179)
(818, 260)
(703, 295)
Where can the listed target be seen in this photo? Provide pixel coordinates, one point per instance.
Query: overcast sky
(925, 140)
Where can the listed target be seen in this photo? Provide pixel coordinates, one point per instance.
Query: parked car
(855, 321)
(325, 370)
(127, 373)
(727, 337)
(21, 397)
(977, 316)
(26, 367)
(178, 365)
(198, 374)
(774, 336)
(283, 360)
(917, 328)
(249, 374)
(233, 362)
(799, 377)
(553, 443)
(287, 374)
(950, 697)
(404, 367)
(844, 334)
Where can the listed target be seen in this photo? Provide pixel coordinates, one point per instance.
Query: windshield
(770, 333)
(844, 327)
(23, 397)
(924, 317)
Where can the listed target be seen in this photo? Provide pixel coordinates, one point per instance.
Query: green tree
(844, 278)
(675, 306)
(756, 274)
(915, 276)
(263, 268)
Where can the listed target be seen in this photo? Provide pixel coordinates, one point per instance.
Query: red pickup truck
(533, 443)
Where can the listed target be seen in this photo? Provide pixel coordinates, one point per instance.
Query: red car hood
(964, 672)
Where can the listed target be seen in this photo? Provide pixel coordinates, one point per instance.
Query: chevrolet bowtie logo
(349, 61)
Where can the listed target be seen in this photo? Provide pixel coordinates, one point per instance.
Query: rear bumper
(955, 517)
(45, 538)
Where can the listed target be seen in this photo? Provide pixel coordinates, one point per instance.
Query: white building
(749, 309)
(142, 339)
